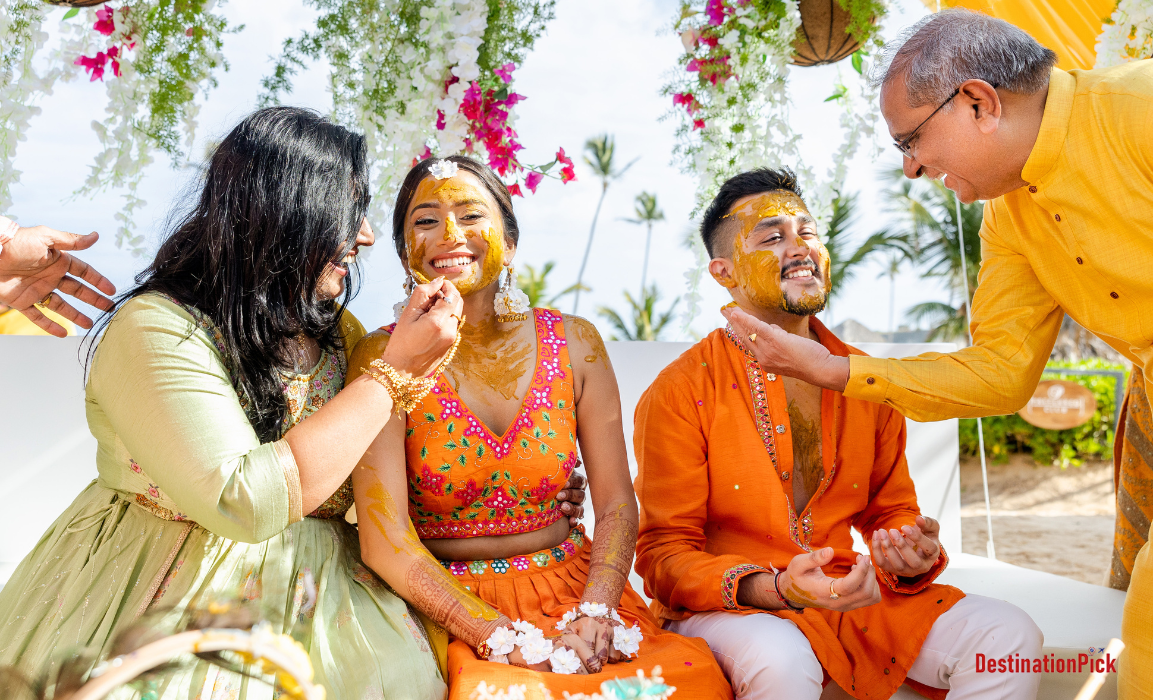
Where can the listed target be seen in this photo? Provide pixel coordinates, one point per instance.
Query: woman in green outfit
(210, 483)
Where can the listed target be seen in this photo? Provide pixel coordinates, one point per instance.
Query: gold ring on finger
(833, 595)
(753, 337)
(45, 301)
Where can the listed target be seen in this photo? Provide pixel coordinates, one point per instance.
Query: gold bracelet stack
(408, 393)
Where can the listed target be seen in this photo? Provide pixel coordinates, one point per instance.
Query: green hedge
(1005, 435)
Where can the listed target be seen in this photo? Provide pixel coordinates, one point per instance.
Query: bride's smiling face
(453, 228)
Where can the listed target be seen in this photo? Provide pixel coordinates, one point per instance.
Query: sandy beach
(1046, 518)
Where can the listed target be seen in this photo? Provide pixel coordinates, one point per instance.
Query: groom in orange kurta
(749, 484)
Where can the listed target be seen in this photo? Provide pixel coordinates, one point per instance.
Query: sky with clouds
(598, 69)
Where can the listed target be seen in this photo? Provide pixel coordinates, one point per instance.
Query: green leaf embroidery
(472, 516)
(430, 418)
(409, 432)
(464, 442)
(560, 404)
(543, 449)
(513, 492)
(448, 489)
(523, 502)
(523, 443)
(424, 453)
(462, 461)
(455, 516)
(486, 492)
(446, 467)
(546, 416)
(480, 450)
(491, 513)
(508, 476)
(536, 433)
(451, 427)
(529, 511)
(551, 433)
(495, 477)
(450, 445)
(510, 512)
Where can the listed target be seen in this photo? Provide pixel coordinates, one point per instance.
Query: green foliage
(865, 18)
(534, 283)
(513, 27)
(179, 50)
(1005, 435)
(843, 262)
(646, 322)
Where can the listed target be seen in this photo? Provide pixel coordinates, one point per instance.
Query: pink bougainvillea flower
(532, 181)
(439, 120)
(689, 38)
(94, 66)
(694, 66)
(514, 190)
(567, 173)
(698, 124)
(688, 100)
(505, 72)
(104, 22)
(717, 10)
(426, 153)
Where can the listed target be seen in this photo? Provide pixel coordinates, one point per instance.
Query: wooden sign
(1058, 405)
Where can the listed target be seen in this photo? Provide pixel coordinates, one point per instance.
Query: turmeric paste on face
(449, 194)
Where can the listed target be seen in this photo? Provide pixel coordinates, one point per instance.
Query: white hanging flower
(571, 614)
(443, 169)
(564, 661)
(1127, 35)
(514, 301)
(502, 641)
(398, 308)
(627, 640)
(594, 609)
(535, 649)
(615, 616)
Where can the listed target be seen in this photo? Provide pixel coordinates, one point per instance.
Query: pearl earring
(511, 304)
(408, 286)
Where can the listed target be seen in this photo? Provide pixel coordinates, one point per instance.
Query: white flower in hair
(564, 661)
(502, 641)
(398, 309)
(443, 169)
(595, 609)
(627, 640)
(535, 649)
(565, 619)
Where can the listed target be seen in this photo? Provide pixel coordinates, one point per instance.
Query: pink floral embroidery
(432, 482)
(499, 500)
(521, 563)
(568, 547)
(543, 491)
(135, 467)
(458, 568)
(468, 493)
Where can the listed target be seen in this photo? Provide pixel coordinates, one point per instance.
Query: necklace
(299, 353)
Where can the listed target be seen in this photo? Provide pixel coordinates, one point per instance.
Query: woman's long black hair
(284, 195)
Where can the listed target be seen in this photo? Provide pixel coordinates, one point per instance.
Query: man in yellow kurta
(1065, 160)
(750, 483)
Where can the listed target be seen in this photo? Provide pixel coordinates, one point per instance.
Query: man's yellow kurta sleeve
(1015, 324)
(158, 383)
(673, 489)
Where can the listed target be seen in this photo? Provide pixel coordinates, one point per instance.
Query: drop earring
(511, 304)
(408, 286)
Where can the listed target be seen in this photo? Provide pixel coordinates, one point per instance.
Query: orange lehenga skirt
(540, 588)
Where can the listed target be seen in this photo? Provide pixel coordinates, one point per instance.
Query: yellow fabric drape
(1069, 27)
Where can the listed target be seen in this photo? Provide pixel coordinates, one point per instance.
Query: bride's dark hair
(283, 195)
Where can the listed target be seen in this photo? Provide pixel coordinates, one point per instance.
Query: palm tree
(647, 212)
(927, 212)
(534, 283)
(843, 264)
(646, 323)
(892, 267)
(600, 151)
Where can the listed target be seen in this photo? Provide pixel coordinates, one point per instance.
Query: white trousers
(768, 658)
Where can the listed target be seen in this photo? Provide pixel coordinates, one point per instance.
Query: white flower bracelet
(626, 640)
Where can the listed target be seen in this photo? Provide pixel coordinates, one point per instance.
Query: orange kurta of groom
(714, 452)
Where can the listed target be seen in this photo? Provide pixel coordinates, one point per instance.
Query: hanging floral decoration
(426, 78)
(1127, 34)
(154, 57)
(730, 97)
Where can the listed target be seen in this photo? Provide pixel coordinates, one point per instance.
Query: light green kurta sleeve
(161, 385)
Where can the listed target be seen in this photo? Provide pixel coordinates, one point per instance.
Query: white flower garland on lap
(535, 648)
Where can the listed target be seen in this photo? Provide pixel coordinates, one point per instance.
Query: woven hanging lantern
(76, 3)
(822, 38)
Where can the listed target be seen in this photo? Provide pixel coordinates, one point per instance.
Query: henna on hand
(611, 559)
(451, 605)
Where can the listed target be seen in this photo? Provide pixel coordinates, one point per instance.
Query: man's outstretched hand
(34, 263)
(805, 584)
(910, 551)
(789, 355)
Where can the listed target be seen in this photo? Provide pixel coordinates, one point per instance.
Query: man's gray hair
(944, 50)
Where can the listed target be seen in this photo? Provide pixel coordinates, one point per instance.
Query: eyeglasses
(903, 144)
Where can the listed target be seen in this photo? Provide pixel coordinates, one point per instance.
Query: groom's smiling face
(776, 260)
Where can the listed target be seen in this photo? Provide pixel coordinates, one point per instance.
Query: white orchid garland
(20, 84)
(1127, 34)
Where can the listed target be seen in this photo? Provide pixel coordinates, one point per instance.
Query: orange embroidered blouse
(466, 481)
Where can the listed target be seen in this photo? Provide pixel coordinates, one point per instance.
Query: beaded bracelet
(408, 393)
